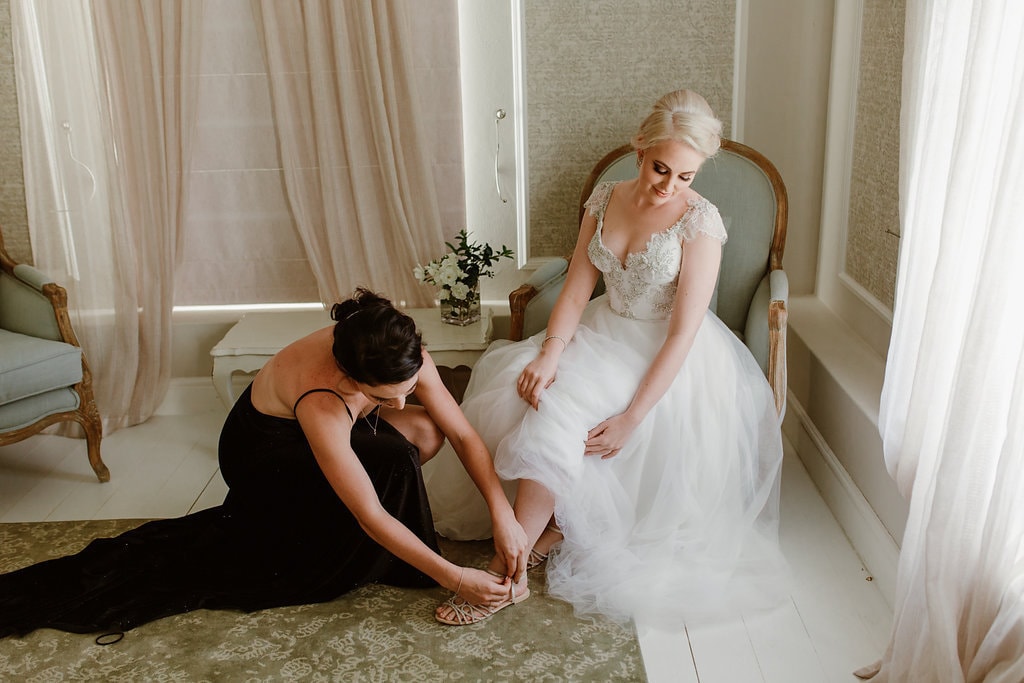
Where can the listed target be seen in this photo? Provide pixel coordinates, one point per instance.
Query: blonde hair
(682, 116)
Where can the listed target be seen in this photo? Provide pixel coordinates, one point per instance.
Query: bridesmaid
(322, 457)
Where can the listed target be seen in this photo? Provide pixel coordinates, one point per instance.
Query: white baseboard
(186, 395)
(869, 537)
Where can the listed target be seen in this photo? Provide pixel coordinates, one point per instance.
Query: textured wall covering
(872, 241)
(13, 215)
(593, 70)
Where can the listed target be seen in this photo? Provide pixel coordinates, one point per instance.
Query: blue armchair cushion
(29, 411)
(30, 366)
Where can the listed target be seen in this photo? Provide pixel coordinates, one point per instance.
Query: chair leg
(89, 418)
(93, 435)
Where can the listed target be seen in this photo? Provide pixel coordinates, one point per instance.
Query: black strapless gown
(281, 537)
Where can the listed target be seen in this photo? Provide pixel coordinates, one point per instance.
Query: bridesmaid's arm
(509, 538)
(328, 431)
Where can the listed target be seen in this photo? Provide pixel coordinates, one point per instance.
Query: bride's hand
(608, 438)
(536, 377)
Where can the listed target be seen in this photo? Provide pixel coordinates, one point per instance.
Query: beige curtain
(107, 104)
(353, 146)
(952, 409)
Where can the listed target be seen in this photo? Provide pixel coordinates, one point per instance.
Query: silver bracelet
(555, 336)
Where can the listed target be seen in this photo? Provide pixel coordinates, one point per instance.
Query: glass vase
(462, 311)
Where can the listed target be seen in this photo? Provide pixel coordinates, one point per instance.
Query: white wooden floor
(836, 622)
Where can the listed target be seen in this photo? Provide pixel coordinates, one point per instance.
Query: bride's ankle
(549, 538)
(497, 568)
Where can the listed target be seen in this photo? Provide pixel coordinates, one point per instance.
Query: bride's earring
(639, 159)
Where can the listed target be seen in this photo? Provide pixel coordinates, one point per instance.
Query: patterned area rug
(377, 633)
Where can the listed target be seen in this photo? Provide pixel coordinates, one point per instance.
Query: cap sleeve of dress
(599, 198)
(702, 218)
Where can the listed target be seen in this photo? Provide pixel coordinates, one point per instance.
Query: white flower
(460, 290)
(449, 273)
(418, 273)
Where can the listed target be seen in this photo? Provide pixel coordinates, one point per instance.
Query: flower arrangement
(457, 276)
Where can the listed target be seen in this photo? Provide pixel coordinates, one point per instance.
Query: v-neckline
(624, 262)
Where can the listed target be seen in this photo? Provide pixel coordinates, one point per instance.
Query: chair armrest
(550, 275)
(765, 331)
(778, 285)
(547, 273)
(518, 298)
(778, 319)
(32, 304)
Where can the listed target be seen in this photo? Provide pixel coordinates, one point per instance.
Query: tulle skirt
(682, 525)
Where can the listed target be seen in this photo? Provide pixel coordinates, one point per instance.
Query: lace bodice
(644, 286)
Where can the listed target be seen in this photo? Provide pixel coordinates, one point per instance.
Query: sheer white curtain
(353, 144)
(952, 414)
(106, 103)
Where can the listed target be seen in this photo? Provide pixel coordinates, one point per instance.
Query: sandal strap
(536, 557)
(467, 613)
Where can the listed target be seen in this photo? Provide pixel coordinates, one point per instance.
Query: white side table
(251, 342)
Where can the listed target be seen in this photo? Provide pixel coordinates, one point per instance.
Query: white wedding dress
(681, 525)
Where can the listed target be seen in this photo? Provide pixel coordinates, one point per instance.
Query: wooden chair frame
(87, 415)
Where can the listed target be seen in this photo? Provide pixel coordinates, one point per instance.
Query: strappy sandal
(465, 613)
(538, 558)
(535, 560)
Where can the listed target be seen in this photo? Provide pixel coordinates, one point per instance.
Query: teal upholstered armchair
(44, 378)
(752, 290)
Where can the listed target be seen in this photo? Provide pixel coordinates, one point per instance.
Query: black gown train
(281, 537)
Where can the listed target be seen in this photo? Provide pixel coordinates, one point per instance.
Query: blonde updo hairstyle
(682, 116)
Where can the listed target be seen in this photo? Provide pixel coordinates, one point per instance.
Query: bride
(640, 432)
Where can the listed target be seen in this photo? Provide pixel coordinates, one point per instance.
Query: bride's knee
(416, 425)
(420, 429)
(430, 441)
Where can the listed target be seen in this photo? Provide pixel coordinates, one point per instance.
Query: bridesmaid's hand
(510, 545)
(483, 588)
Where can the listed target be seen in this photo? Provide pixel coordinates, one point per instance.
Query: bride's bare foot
(458, 612)
(549, 538)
